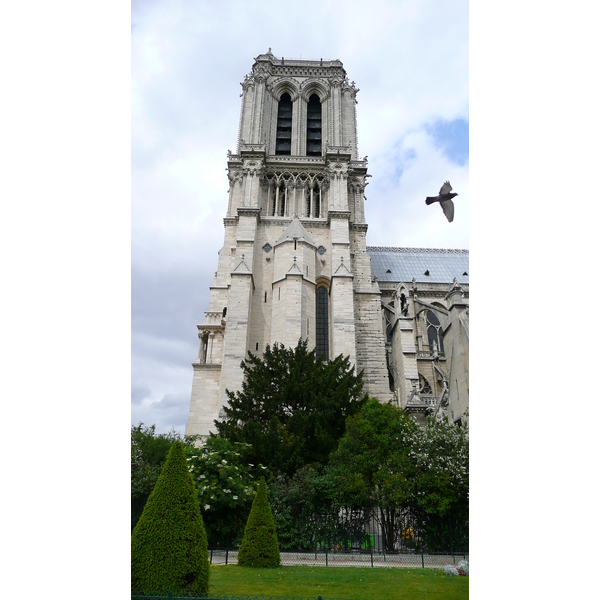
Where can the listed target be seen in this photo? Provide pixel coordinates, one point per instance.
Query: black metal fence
(335, 558)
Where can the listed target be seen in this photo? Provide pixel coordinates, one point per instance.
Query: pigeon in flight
(445, 200)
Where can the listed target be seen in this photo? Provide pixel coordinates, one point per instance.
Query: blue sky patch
(453, 137)
(404, 158)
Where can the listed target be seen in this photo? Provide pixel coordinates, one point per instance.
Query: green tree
(309, 511)
(225, 486)
(441, 498)
(168, 545)
(376, 466)
(259, 547)
(292, 407)
(148, 454)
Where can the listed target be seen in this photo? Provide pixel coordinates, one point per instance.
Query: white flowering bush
(441, 498)
(225, 487)
(450, 570)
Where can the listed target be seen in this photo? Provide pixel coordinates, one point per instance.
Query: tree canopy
(292, 407)
(376, 468)
(413, 480)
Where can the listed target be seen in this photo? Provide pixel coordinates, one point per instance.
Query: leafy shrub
(259, 546)
(168, 545)
(226, 488)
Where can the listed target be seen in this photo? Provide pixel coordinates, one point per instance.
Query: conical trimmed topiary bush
(168, 545)
(259, 547)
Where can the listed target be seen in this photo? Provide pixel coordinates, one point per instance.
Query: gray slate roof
(408, 263)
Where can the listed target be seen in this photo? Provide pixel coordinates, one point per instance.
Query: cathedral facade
(295, 264)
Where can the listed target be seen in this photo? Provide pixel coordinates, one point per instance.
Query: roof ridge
(402, 249)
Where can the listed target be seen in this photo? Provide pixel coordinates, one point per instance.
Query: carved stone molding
(299, 160)
(339, 214)
(248, 211)
(281, 85)
(302, 177)
(258, 149)
(200, 366)
(315, 86)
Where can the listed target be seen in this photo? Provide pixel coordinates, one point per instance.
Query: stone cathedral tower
(294, 263)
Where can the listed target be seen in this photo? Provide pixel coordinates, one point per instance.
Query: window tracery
(424, 387)
(434, 333)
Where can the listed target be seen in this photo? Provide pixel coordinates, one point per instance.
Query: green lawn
(339, 582)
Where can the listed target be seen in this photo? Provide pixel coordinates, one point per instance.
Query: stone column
(201, 355)
(211, 336)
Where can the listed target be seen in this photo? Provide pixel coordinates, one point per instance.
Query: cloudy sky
(85, 138)
(410, 61)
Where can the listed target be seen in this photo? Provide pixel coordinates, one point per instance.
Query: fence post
(326, 561)
(211, 556)
(371, 557)
(169, 594)
(226, 555)
(422, 558)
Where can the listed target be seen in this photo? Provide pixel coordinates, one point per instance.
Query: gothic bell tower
(294, 263)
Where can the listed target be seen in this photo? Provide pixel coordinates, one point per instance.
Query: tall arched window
(283, 142)
(322, 322)
(434, 332)
(313, 126)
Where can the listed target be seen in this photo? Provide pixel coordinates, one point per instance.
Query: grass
(338, 582)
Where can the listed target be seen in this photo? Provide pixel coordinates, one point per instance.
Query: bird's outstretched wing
(448, 208)
(446, 188)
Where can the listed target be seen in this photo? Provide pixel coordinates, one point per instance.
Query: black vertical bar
(226, 555)
(211, 556)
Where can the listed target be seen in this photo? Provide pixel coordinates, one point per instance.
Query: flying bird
(445, 200)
